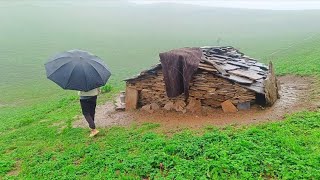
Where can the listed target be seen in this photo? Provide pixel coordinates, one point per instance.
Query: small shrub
(106, 88)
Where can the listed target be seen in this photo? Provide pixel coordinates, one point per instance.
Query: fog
(270, 5)
(238, 4)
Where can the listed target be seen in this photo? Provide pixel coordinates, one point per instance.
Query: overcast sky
(247, 4)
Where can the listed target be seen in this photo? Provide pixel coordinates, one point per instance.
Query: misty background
(129, 35)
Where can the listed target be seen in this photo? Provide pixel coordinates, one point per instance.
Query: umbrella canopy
(77, 70)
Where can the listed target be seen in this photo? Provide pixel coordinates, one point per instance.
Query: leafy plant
(106, 88)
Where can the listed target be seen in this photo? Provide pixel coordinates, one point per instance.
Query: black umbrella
(77, 70)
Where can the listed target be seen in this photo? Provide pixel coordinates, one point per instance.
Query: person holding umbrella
(82, 71)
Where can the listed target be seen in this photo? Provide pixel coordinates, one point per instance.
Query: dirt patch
(16, 170)
(106, 116)
(297, 94)
(61, 126)
(59, 123)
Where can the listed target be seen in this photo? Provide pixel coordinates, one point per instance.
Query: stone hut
(223, 75)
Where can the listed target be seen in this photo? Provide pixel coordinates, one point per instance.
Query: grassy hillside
(302, 59)
(36, 138)
(40, 143)
(128, 37)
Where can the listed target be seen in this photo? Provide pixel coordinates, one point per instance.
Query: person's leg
(86, 106)
(93, 107)
(90, 121)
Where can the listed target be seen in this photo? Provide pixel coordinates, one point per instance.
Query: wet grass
(35, 144)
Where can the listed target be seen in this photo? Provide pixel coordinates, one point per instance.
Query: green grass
(284, 150)
(301, 59)
(37, 140)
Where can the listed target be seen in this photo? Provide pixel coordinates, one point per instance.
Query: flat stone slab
(228, 107)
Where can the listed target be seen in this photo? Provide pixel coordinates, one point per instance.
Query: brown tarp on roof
(178, 66)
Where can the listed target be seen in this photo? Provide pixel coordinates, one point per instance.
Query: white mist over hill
(271, 5)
